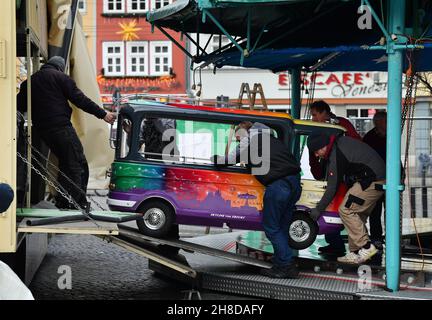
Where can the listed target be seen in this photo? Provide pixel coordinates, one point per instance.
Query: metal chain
(60, 172)
(57, 187)
(407, 117)
(63, 174)
(413, 82)
(96, 203)
(28, 142)
(64, 195)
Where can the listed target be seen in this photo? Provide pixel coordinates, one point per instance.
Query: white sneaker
(351, 258)
(366, 254)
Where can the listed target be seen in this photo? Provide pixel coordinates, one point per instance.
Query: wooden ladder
(251, 95)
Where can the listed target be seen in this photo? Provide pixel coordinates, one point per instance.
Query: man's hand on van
(315, 214)
(110, 117)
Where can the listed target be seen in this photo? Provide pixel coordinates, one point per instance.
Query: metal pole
(295, 93)
(29, 113)
(424, 194)
(393, 173)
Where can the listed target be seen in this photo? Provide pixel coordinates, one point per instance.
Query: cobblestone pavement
(99, 270)
(102, 270)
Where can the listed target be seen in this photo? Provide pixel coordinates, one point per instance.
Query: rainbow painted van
(189, 189)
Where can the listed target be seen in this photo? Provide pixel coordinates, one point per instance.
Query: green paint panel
(128, 176)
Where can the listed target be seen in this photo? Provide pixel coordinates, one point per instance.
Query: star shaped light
(129, 30)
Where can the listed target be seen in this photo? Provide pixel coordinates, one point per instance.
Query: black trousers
(66, 146)
(376, 230)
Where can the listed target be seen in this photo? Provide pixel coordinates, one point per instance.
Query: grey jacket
(353, 160)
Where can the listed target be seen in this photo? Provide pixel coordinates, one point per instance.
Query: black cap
(6, 196)
(317, 141)
(57, 62)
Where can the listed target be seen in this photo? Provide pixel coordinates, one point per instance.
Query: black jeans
(66, 146)
(376, 230)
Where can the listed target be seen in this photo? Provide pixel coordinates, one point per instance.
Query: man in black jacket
(279, 171)
(51, 92)
(364, 172)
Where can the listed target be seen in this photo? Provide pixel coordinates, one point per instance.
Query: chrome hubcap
(299, 231)
(154, 218)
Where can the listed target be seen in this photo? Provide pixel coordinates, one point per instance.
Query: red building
(132, 58)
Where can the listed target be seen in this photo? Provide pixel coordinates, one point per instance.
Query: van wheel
(158, 219)
(302, 231)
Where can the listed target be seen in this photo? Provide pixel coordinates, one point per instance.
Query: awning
(347, 58)
(187, 15)
(287, 34)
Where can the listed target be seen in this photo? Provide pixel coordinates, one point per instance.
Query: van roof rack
(167, 98)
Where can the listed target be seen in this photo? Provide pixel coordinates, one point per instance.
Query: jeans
(66, 146)
(279, 201)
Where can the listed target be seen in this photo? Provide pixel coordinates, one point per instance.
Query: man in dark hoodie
(51, 92)
(279, 171)
(364, 173)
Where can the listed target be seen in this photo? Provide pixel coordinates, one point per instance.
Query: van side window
(157, 139)
(197, 141)
(304, 157)
(126, 132)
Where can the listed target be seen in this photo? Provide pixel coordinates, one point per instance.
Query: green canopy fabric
(185, 15)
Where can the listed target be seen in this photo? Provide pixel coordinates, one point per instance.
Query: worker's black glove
(315, 214)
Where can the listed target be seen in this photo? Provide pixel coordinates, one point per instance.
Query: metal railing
(417, 196)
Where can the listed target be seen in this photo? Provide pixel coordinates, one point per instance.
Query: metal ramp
(132, 234)
(84, 227)
(211, 262)
(217, 274)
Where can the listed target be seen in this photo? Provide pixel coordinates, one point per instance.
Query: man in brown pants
(364, 172)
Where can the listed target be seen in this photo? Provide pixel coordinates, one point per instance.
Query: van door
(209, 195)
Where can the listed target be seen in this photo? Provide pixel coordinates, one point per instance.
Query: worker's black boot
(289, 271)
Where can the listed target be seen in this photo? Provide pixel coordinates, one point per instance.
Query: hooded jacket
(318, 165)
(51, 92)
(351, 158)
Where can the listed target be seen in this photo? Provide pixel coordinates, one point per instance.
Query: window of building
(156, 4)
(113, 58)
(136, 6)
(82, 6)
(114, 6)
(137, 58)
(160, 58)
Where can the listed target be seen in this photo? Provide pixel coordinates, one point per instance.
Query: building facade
(132, 59)
(87, 10)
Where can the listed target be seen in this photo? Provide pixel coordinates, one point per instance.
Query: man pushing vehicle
(364, 173)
